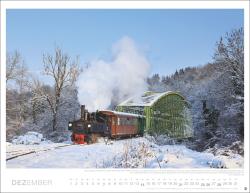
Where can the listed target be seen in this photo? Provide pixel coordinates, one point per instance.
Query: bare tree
(13, 61)
(17, 92)
(64, 72)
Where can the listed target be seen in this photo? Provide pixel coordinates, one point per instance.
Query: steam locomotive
(105, 123)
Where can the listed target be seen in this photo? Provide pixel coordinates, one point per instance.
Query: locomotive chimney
(83, 112)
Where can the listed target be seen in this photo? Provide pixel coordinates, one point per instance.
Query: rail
(17, 154)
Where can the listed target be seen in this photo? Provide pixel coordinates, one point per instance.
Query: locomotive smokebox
(83, 112)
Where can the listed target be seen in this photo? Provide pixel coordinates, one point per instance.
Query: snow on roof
(147, 99)
(120, 113)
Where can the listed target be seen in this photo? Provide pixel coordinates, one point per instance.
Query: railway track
(18, 153)
(14, 153)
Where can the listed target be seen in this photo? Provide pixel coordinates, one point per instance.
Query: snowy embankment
(30, 138)
(127, 153)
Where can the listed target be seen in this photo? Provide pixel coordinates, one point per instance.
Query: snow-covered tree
(13, 63)
(155, 84)
(229, 55)
(221, 86)
(64, 72)
(17, 93)
(68, 110)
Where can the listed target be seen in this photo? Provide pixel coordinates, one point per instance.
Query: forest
(214, 90)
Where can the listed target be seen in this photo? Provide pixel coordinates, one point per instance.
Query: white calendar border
(60, 177)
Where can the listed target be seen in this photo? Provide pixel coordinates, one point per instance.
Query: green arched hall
(165, 113)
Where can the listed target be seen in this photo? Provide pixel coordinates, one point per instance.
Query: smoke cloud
(105, 83)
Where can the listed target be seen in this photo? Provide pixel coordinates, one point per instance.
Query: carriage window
(129, 121)
(122, 121)
(135, 121)
(126, 121)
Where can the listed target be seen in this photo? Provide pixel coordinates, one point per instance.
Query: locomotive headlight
(70, 124)
(89, 125)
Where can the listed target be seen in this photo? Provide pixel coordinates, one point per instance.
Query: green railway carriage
(165, 113)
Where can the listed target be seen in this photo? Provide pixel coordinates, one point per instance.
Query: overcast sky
(169, 39)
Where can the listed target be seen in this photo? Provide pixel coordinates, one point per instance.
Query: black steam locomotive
(105, 123)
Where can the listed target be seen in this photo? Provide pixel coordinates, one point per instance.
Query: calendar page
(124, 96)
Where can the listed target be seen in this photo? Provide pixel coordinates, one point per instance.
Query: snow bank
(30, 138)
(128, 153)
(142, 153)
(229, 157)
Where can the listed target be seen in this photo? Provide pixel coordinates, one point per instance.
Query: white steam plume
(103, 82)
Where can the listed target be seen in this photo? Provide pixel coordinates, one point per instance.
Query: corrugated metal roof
(147, 99)
(120, 113)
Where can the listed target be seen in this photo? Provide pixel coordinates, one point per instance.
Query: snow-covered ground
(126, 153)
